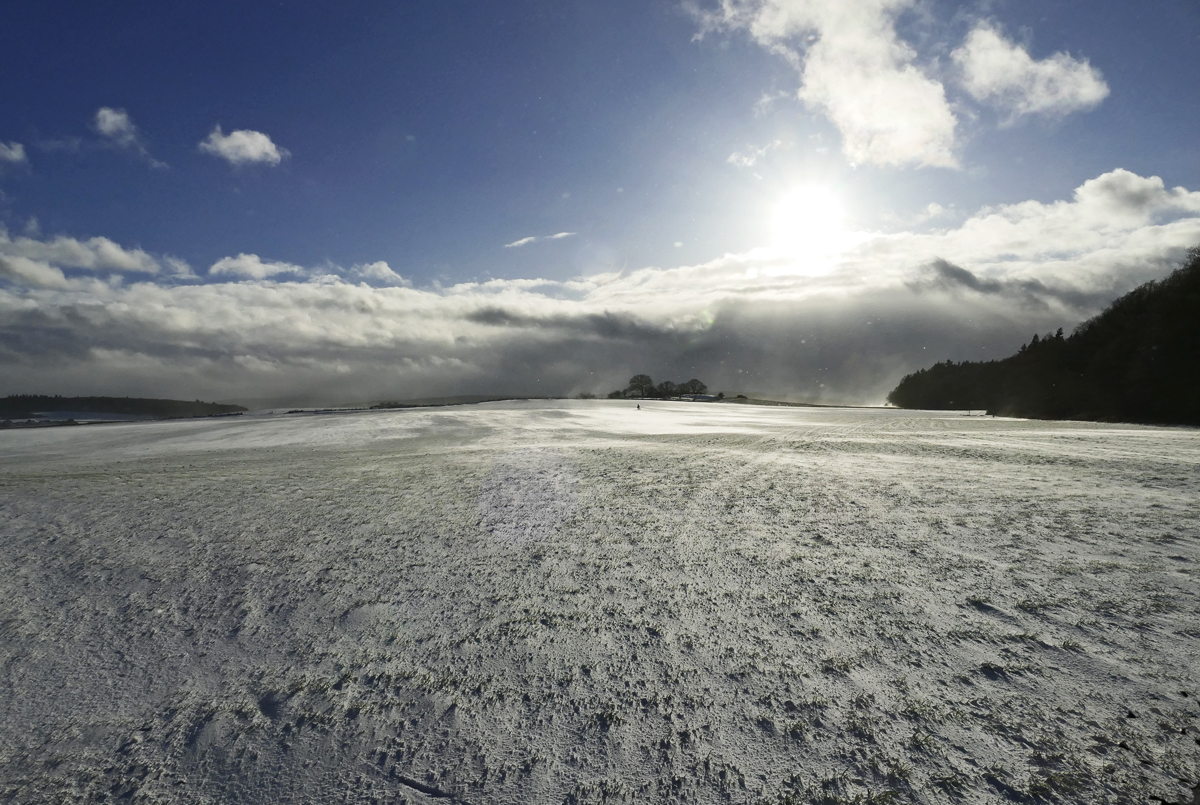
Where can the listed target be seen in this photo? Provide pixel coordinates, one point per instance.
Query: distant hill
(25, 405)
(1138, 361)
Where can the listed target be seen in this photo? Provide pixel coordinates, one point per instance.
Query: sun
(809, 222)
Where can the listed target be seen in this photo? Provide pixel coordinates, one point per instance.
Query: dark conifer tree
(1138, 361)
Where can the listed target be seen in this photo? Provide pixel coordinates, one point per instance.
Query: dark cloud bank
(89, 317)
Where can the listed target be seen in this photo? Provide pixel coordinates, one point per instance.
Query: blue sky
(661, 140)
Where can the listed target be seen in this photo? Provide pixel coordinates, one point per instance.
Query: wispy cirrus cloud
(1003, 73)
(750, 156)
(538, 239)
(243, 147)
(13, 154)
(118, 129)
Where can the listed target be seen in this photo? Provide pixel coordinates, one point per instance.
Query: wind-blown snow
(582, 602)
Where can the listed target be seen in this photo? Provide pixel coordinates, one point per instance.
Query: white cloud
(932, 211)
(252, 266)
(118, 127)
(855, 69)
(1121, 198)
(768, 99)
(178, 268)
(379, 272)
(94, 254)
(890, 305)
(752, 154)
(538, 239)
(13, 153)
(997, 70)
(243, 147)
(31, 272)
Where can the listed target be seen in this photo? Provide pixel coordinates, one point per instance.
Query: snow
(582, 602)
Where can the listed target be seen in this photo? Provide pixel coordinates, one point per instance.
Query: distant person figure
(639, 406)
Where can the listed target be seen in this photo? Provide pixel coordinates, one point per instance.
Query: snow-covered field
(579, 602)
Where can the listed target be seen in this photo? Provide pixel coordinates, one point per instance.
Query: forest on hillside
(1138, 361)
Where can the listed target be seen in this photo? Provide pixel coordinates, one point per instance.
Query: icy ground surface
(578, 602)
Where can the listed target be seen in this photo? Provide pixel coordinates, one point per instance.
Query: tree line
(25, 405)
(642, 387)
(1138, 361)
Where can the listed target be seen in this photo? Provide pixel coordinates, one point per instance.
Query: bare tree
(640, 386)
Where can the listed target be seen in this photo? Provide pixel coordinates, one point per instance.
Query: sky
(799, 198)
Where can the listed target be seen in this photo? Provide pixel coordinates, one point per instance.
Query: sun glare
(809, 223)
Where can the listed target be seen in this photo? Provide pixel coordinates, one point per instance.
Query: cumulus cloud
(252, 266)
(997, 70)
(12, 153)
(243, 147)
(856, 70)
(378, 272)
(117, 126)
(753, 322)
(37, 273)
(538, 239)
(94, 254)
(1065, 238)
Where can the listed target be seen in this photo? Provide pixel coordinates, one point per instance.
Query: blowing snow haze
(804, 197)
